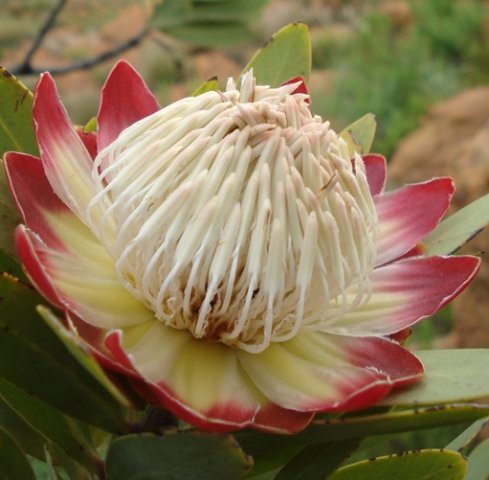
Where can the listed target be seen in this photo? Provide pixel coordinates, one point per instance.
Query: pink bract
(351, 365)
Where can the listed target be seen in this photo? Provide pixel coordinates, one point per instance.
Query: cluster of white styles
(238, 216)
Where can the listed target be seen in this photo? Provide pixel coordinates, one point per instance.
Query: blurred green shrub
(452, 28)
(399, 73)
(208, 23)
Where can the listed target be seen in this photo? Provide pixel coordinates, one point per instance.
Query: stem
(89, 62)
(25, 65)
(156, 419)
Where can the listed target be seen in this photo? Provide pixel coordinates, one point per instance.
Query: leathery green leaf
(267, 464)
(465, 439)
(177, 13)
(58, 466)
(34, 359)
(74, 471)
(171, 12)
(451, 376)
(416, 465)
(286, 55)
(35, 445)
(358, 426)
(16, 128)
(31, 369)
(8, 221)
(78, 351)
(204, 25)
(51, 472)
(90, 126)
(210, 34)
(14, 463)
(459, 228)
(240, 10)
(29, 440)
(360, 134)
(479, 462)
(18, 312)
(10, 265)
(51, 424)
(209, 86)
(184, 455)
(16, 133)
(317, 461)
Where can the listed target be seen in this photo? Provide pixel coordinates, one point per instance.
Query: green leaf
(50, 468)
(67, 467)
(172, 13)
(8, 221)
(175, 457)
(467, 436)
(33, 369)
(360, 134)
(206, 23)
(417, 465)
(14, 464)
(16, 128)
(63, 431)
(10, 265)
(266, 464)
(16, 133)
(35, 445)
(286, 55)
(317, 461)
(361, 425)
(90, 126)
(79, 353)
(235, 10)
(210, 34)
(29, 440)
(451, 376)
(240, 10)
(459, 228)
(210, 86)
(18, 312)
(34, 359)
(268, 475)
(479, 462)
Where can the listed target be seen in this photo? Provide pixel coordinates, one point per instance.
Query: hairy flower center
(237, 216)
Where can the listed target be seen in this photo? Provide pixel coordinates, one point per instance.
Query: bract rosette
(227, 254)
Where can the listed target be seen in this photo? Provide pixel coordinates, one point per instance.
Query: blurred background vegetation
(392, 57)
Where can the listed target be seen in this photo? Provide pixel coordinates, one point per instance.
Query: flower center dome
(237, 216)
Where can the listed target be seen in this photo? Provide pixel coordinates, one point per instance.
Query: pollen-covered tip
(238, 215)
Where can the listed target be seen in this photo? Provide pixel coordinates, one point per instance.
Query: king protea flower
(227, 254)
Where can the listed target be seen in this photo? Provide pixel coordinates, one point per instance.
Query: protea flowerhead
(227, 254)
